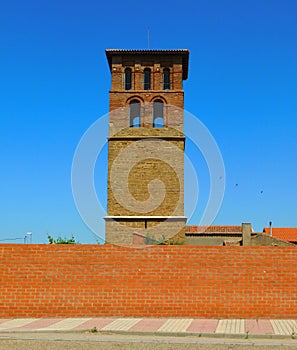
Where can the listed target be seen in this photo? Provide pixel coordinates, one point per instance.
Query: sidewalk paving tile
(4, 320)
(166, 325)
(258, 327)
(99, 323)
(284, 327)
(148, 325)
(16, 323)
(176, 325)
(203, 326)
(37, 324)
(65, 324)
(234, 326)
(121, 324)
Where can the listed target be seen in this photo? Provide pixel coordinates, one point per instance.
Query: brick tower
(146, 145)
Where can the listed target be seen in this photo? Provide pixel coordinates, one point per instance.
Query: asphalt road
(87, 341)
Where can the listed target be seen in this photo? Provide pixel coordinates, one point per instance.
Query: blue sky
(54, 84)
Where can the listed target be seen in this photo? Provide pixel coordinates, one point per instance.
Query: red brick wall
(175, 281)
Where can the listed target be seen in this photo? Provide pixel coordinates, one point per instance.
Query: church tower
(146, 146)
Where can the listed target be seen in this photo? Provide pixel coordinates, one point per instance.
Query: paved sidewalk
(173, 326)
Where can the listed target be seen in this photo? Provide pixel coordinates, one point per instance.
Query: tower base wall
(145, 230)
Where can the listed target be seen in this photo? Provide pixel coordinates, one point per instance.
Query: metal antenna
(148, 37)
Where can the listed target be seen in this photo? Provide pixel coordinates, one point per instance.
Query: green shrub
(61, 240)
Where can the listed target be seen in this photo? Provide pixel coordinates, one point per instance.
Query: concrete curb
(162, 334)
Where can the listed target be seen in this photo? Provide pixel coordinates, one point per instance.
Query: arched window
(135, 114)
(147, 79)
(166, 79)
(158, 114)
(128, 79)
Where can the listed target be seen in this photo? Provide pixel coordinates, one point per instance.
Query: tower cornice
(176, 52)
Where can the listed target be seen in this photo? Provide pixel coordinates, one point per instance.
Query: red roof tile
(285, 233)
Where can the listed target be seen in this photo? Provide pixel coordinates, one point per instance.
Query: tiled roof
(183, 52)
(213, 229)
(285, 233)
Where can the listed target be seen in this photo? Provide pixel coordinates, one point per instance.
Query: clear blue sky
(54, 84)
